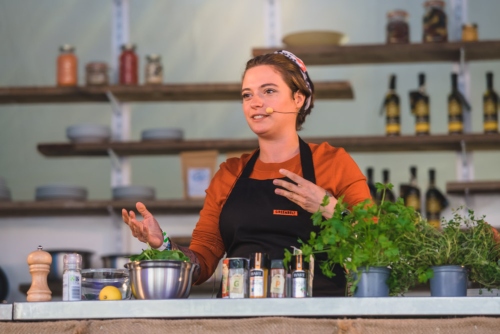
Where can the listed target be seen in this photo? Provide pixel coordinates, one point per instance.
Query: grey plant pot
(373, 282)
(449, 281)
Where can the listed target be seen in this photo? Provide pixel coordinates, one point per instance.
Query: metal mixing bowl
(161, 279)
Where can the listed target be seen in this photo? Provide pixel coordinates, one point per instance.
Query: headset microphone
(270, 110)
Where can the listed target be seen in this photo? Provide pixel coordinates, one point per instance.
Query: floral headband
(303, 70)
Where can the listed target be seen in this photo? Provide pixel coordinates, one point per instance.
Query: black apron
(255, 219)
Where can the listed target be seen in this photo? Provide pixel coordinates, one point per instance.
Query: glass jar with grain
(398, 30)
(154, 70)
(67, 66)
(96, 74)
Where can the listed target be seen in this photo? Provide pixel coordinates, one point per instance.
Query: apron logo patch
(285, 213)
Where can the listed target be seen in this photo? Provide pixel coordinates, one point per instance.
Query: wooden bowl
(314, 37)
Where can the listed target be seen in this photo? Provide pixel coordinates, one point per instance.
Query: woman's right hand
(148, 230)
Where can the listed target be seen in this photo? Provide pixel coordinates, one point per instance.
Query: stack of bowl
(60, 192)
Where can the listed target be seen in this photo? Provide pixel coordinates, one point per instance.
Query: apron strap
(305, 160)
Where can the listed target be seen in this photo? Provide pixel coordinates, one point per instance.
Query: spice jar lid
(434, 3)
(469, 25)
(258, 260)
(96, 65)
(277, 264)
(67, 48)
(153, 57)
(397, 13)
(238, 263)
(128, 46)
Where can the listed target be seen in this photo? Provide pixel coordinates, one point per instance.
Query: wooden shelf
(351, 144)
(391, 53)
(473, 187)
(151, 93)
(95, 207)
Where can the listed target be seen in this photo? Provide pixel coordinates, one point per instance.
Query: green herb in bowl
(154, 254)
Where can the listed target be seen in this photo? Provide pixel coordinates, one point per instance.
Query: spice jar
(435, 22)
(277, 276)
(96, 74)
(469, 32)
(128, 65)
(258, 275)
(154, 70)
(238, 278)
(67, 66)
(397, 27)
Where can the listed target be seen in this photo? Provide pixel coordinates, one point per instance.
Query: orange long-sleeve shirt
(335, 172)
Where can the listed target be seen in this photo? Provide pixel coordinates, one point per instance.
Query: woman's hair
(293, 77)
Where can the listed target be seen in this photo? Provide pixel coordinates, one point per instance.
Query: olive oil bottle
(369, 181)
(490, 106)
(392, 109)
(411, 192)
(456, 105)
(435, 202)
(419, 106)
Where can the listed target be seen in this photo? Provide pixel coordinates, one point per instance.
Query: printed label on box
(198, 181)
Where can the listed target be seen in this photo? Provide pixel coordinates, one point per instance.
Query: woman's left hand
(306, 194)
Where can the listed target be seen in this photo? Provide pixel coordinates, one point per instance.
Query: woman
(262, 202)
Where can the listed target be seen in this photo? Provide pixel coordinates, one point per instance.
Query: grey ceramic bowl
(88, 133)
(117, 261)
(133, 193)
(162, 134)
(4, 194)
(57, 266)
(161, 279)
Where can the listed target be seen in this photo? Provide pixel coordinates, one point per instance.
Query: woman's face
(263, 87)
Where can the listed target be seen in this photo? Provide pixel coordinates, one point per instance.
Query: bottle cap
(258, 260)
(72, 261)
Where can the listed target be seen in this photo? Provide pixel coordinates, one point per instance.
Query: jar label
(256, 285)
(413, 201)
(278, 284)
(236, 284)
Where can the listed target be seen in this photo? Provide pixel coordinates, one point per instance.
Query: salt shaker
(72, 277)
(39, 262)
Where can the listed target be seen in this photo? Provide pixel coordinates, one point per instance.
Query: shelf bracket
(116, 222)
(272, 25)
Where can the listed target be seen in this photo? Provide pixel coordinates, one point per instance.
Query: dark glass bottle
(435, 201)
(392, 110)
(455, 110)
(419, 105)
(412, 191)
(490, 106)
(389, 194)
(371, 184)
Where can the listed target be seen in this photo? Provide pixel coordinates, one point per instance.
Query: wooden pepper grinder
(39, 262)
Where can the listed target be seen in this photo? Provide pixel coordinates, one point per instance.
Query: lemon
(110, 292)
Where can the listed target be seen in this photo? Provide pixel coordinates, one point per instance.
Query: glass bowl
(94, 280)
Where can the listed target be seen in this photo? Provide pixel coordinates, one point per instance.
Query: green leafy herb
(154, 254)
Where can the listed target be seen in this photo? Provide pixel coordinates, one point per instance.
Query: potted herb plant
(464, 249)
(368, 241)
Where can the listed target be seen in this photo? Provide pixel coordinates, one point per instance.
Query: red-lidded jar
(67, 66)
(398, 30)
(435, 22)
(129, 65)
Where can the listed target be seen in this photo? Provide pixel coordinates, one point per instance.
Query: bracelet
(166, 243)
